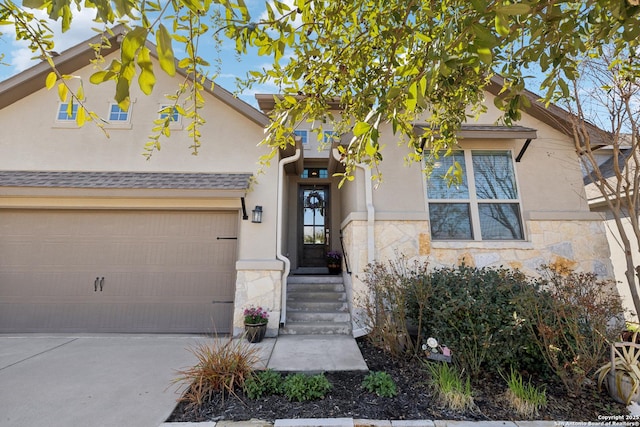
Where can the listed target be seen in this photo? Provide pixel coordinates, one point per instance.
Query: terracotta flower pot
(255, 332)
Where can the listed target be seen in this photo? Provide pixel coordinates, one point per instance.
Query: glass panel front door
(314, 225)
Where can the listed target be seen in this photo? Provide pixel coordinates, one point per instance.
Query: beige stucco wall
(31, 139)
(558, 226)
(618, 259)
(549, 160)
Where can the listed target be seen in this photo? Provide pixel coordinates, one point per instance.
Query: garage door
(117, 271)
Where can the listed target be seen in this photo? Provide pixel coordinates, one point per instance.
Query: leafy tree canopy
(380, 61)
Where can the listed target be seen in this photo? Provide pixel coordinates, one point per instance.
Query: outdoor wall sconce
(256, 215)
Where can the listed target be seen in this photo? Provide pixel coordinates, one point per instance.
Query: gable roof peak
(69, 61)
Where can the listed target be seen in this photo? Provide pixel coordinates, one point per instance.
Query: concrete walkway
(316, 353)
(105, 380)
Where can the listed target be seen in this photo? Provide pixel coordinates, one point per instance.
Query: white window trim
(305, 142)
(177, 125)
(120, 124)
(473, 202)
(68, 124)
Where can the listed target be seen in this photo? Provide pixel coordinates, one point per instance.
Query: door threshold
(310, 271)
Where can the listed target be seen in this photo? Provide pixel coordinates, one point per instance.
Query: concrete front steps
(317, 305)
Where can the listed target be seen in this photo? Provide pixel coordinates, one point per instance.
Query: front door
(313, 227)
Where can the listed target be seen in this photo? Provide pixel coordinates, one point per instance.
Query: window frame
(62, 108)
(304, 135)
(120, 124)
(173, 124)
(474, 202)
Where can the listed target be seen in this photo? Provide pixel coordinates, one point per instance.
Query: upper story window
(166, 111)
(329, 136)
(484, 206)
(303, 134)
(65, 113)
(170, 111)
(117, 114)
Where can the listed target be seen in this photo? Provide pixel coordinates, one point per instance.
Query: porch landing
(315, 354)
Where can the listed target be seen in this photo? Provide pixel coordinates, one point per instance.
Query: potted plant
(622, 372)
(334, 262)
(255, 323)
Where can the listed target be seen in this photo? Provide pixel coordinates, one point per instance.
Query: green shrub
(525, 399)
(478, 314)
(263, 383)
(221, 367)
(571, 321)
(380, 383)
(385, 305)
(452, 390)
(303, 387)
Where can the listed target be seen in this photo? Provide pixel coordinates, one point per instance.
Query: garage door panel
(163, 271)
(56, 282)
(181, 286)
(113, 317)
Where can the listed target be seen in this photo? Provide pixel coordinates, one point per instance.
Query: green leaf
(485, 55)
(122, 90)
(63, 91)
(513, 9)
(194, 5)
(479, 5)
(81, 117)
(631, 32)
(165, 51)
(33, 4)
(131, 43)
(291, 99)
(412, 99)
(101, 77)
(502, 24)
(484, 37)
(146, 79)
(123, 7)
(361, 128)
(51, 80)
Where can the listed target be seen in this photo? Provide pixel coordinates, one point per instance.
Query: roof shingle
(151, 180)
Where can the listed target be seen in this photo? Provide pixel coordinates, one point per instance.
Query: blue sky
(18, 57)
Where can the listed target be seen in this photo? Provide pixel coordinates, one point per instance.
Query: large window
(483, 206)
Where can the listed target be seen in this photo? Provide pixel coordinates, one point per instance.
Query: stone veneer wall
(258, 284)
(579, 244)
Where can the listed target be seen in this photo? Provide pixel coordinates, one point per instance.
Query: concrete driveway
(106, 380)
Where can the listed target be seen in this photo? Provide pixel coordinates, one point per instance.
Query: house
(608, 163)
(95, 238)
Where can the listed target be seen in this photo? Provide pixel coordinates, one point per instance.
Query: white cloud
(17, 52)
(264, 16)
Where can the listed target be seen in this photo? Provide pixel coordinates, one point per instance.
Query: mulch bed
(415, 399)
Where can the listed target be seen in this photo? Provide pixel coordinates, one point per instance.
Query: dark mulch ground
(415, 399)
